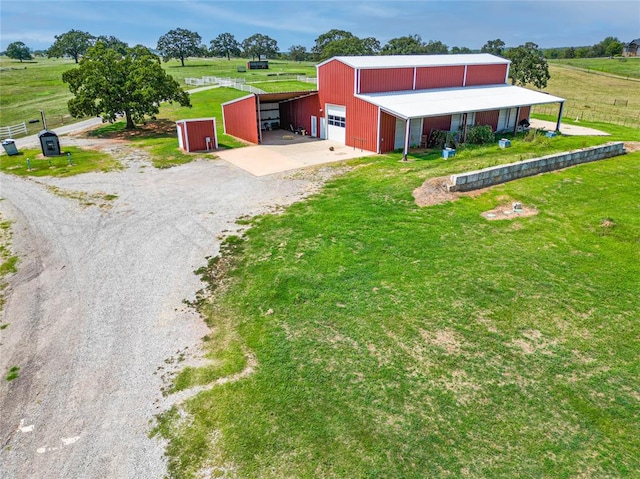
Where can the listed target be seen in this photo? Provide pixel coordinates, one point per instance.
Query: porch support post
(515, 126)
(560, 116)
(258, 120)
(406, 140)
(464, 128)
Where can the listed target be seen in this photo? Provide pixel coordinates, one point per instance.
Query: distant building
(631, 48)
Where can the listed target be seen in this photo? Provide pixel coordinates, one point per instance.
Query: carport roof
(285, 95)
(448, 101)
(274, 97)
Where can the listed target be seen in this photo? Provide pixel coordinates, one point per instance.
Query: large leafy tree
(325, 39)
(528, 65)
(74, 43)
(18, 51)
(407, 45)
(609, 47)
(297, 53)
(114, 43)
(225, 45)
(436, 48)
(109, 84)
(340, 42)
(179, 44)
(495, 47)
(457, 50)
(259, 44)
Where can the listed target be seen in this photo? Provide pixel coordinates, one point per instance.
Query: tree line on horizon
(182, 43)
(114, 79)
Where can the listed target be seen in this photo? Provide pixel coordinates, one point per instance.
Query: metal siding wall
(488, 118)
(362, 122)
(486, 74)
(439, 77)
(241, 120)
(436, 123)
(387, 132)
(298, 112)
(525, 112)
(335, 80)
(386, 79)
(198, 131)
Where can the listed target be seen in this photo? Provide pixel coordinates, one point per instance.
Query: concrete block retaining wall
(474, 180)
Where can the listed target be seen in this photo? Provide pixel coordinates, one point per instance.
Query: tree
(18, 51)
(224, 45)
(528, 65)
(436, 48)
(343, 47)
(457, 50)
(331, 36)
(297, 53)
(495, 47)
(113, 43)
(73, 43)
(259, 44)
(370, 46)
(408, 45)
(179, 44)
(609, 47)
(109, 84)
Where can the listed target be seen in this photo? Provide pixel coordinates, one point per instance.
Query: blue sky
(456, 23)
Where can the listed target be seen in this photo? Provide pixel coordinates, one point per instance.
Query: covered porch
(406, 116)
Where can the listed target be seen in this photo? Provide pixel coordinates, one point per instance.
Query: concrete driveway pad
(268, 159)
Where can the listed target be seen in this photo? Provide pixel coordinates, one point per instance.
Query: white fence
(306, 79)
(15, 130)
(237, 83)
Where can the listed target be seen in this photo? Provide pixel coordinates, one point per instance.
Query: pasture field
(595, 98)
(31, 86)
(36, 85)
(375, 338)
(624, 67)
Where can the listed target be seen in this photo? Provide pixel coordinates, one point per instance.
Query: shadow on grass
(151, 129)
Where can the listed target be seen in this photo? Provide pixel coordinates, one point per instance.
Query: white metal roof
(410, 61)
(447, 101)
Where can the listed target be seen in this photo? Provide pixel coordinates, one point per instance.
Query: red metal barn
(384, 103)
(197, 134)
(247, 117)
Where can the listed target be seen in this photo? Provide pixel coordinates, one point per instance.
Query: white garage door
(336, 123)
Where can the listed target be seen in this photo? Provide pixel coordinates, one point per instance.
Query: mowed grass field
(32, 86)
(592, 97)
(625, 67)
(380, 339)
(36, 85)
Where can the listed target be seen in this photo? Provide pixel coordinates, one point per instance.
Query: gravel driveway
(96, 310)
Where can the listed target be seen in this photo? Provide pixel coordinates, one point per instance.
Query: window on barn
(340, 121)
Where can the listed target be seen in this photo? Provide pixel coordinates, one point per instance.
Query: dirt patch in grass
(436, 190)
(632, 146)
(433, 192)
(509, 211)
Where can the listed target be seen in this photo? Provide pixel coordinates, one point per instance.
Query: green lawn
(389, 340)
(32, 86)
(159, 136)
(36, 85)
(626, 67)
(593, 97)
(83, 161)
